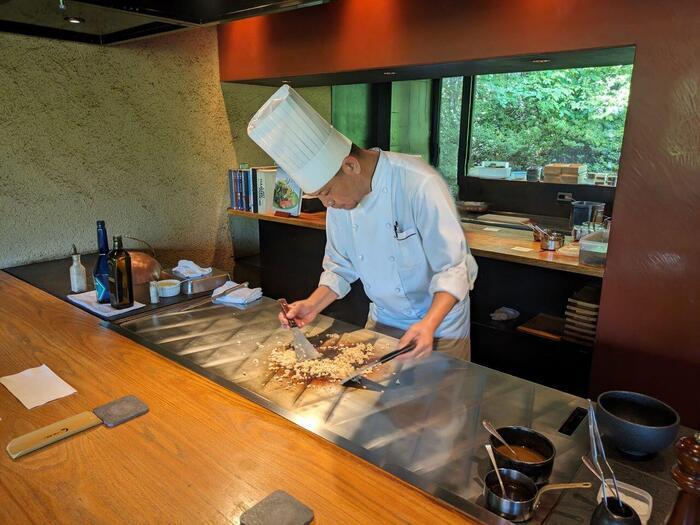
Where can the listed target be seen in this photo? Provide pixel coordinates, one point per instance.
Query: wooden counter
(201, 455)
(505, 244)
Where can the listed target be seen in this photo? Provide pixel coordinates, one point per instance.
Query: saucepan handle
(560, 486)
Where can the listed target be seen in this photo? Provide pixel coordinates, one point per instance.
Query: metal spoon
(597, 449)
(489, 449)
(492, 430)
(589, 464)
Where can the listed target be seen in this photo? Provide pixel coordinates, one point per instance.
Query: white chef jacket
(404, 241)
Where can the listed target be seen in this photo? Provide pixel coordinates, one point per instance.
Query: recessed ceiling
(111, 21)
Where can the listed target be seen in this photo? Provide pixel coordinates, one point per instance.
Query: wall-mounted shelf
(307, 220)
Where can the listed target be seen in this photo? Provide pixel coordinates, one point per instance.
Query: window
(410, 117)
(528, 119)
(448, 130)
(556, 116)
(410, 124)
(351, 113)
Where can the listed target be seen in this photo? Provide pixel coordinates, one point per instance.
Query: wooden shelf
(307, 220)
(504, 244)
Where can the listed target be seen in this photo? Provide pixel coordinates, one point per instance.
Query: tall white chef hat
(299, 140)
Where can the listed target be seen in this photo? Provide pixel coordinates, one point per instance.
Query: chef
(391, 223)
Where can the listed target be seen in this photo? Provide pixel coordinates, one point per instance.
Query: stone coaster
(279, 508)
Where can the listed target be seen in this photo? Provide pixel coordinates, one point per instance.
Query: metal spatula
(303, 348)
(381, 360)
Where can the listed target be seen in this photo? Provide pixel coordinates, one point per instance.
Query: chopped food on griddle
(339, 361)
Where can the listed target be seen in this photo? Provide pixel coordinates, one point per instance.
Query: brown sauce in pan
(521, 453)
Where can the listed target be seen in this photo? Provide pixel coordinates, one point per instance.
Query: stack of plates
(582, 316)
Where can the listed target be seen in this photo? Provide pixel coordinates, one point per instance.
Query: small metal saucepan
(522, 497)
(552, 241)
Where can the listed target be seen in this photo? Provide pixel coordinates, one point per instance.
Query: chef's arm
(439, 308)
(423, 332)
(306, 310)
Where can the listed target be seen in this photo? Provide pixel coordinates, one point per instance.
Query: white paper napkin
(243, 295)
(189, 269)
(36, 386)
(89, 301)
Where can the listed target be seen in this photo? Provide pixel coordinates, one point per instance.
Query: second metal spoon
(489, 449)
(492, 430)
(586, 461)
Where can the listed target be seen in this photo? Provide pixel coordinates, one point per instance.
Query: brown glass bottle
(121, 287)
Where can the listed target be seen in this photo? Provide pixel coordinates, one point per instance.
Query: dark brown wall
(649, 331)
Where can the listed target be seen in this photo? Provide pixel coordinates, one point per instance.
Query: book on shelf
(287, 194)
(252, 189)
(233, 188)
(265, 184)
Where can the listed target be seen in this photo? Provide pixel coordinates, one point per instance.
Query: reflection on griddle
(421, 420)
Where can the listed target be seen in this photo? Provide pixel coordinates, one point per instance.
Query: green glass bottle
(121, 286)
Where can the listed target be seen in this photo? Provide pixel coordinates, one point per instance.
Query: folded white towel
(89, 300)
(243, 295)
(189, 270)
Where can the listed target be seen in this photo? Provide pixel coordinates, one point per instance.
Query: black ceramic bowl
(537, 471)
(614, 514)
(637, 424)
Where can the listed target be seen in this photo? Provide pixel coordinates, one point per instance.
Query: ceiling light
(540, 60)
(74, 19)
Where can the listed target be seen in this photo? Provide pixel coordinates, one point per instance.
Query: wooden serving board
(545, 326)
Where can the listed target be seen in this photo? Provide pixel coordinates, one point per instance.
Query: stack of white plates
(581, 318)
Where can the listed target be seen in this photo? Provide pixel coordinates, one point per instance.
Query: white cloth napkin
(243, 295)
(189, 270)
(36, 386)
(89, 301)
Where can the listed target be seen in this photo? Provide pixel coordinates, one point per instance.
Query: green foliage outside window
(450, 113)
(528, 118)
(566, 115)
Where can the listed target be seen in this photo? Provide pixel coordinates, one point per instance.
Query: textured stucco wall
(242, 101)
(135, 134)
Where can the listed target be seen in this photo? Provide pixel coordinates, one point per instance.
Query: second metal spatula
(303, 348)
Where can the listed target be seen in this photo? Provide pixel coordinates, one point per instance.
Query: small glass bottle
(78, 277)
(153, 292)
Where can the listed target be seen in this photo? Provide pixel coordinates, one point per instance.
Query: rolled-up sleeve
(338, 271)
(443, 240)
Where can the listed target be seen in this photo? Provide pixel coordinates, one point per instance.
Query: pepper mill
(686, 474)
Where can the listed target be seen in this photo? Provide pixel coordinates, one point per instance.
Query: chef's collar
(377, 179)
(378, 170)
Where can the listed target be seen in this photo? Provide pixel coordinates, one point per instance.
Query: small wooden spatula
(112, 414)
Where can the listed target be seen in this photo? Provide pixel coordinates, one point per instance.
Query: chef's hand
(422, 333)
(303, 312)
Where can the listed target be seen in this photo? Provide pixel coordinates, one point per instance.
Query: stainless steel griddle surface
(420, 421)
